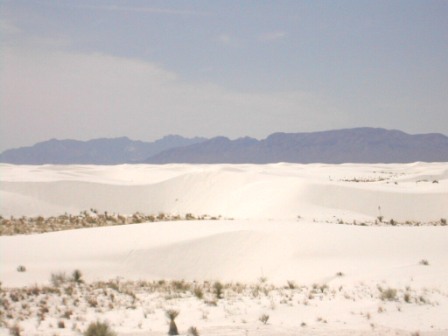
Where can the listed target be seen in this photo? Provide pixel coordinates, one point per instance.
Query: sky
(145, 69)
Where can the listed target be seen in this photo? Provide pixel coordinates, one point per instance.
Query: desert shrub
(291, 284)
(172, 314)
(198, 293)
(443, 221)
(58, 279)
(180, 285)
(99, 329)
(77, 277)
(407, 297)
(61, 324)
(218, 288)
(424, 262)
(193, 331)
(389, 294)
(264, 318)
(21, 268)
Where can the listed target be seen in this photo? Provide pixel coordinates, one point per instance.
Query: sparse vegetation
(64, 304)
(85, 219)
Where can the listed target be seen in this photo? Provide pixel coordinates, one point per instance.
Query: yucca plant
(172, 314)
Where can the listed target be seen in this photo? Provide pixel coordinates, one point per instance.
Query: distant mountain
(97, 151)
(358, 145)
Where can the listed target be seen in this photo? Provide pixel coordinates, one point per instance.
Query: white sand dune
(233, 251)
(265, 238)
(401, 192)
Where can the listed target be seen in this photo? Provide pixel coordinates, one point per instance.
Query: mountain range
(356, 145)
(97, 151)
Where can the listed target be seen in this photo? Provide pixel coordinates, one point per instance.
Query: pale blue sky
(144, 69)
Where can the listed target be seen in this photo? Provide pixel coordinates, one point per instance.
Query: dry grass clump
(85, 219)
(193, 331)
(99, 329)
(58, 279)
(218, 288)
(264, 318)
(389, 294)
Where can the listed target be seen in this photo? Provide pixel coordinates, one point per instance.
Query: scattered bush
(389, 294)
(264, 318)
(424, 262)
(99, 329)
(198, 293)
(291, 284)
(77, 277)
(58, 279)
(193, 331)
(21, 268)
(407, 297)
(218, 287)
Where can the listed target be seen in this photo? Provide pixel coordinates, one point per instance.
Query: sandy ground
(282, 225)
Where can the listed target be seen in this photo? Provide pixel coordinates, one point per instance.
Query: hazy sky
(87, 68)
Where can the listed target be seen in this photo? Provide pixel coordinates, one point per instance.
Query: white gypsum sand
(283, 230)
